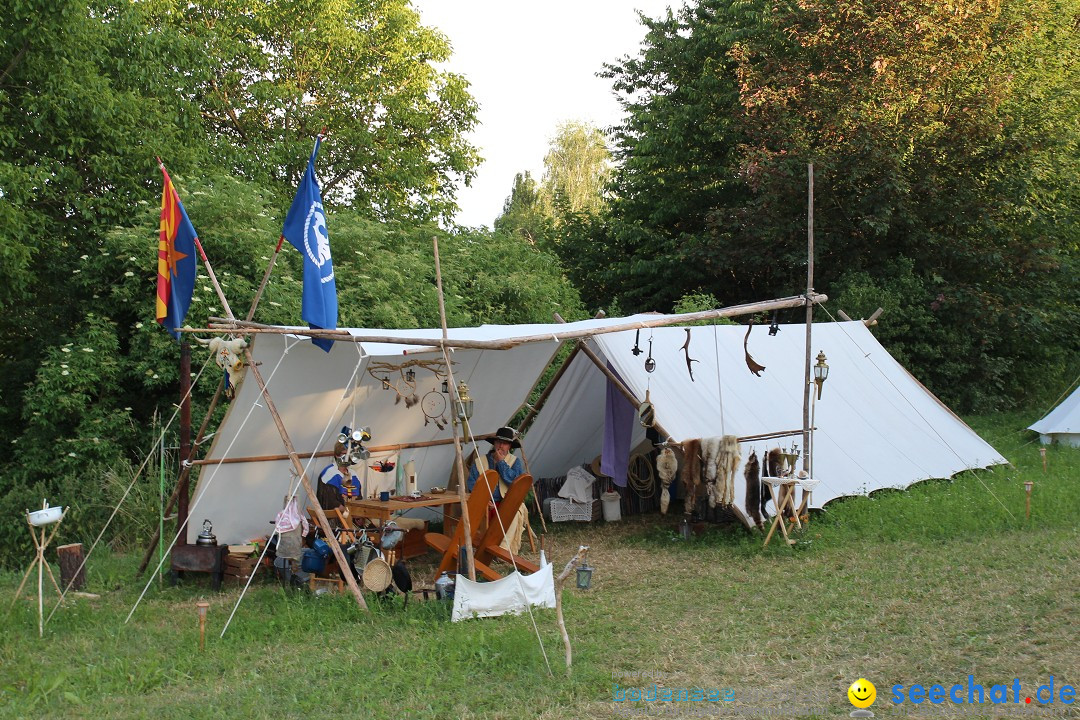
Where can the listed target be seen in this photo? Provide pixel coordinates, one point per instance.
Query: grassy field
(925, 587)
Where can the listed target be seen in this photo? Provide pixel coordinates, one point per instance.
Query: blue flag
(305, 229)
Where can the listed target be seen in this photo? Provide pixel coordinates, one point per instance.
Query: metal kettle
(206, 537)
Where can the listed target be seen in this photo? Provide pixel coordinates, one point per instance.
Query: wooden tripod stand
(40, 543)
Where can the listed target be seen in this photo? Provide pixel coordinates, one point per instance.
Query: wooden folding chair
(476, 506)
(490, 545)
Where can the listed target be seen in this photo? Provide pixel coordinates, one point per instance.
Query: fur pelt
(774, 463)
(666, 466)
(727, 463)
(710, 453)
(755, 506)
(691, 472)
(720, 459)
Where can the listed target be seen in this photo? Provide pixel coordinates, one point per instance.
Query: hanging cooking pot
(206, 537)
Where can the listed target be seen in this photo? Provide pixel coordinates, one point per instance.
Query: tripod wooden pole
(331, 539)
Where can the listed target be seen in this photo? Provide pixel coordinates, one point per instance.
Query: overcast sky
(531, 66)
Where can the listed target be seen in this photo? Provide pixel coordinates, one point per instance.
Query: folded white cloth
(578, 485)
(505, 595)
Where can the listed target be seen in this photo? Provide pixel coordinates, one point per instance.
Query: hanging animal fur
(666, 466)
(727, 462)
(691, 473)
(720, 459)
(774, 463)
(755, 367)
(710, 451)
(754, 505)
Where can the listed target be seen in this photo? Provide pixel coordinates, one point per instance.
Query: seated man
(500, 460)
(509, 467)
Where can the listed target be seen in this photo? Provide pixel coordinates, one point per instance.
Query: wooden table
(382, 510)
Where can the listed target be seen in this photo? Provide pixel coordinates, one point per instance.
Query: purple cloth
(618, 427)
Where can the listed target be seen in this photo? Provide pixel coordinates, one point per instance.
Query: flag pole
(339, 555)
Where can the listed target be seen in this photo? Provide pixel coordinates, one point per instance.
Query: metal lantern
(410, 375)
(584, 575)
(463, 406)
(821, 372)
(446, 387)
(386, 383)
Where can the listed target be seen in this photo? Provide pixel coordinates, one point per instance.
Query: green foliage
(90, 93)
(944, 134)
(365, 70)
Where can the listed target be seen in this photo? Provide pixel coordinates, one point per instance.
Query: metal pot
(206, 537)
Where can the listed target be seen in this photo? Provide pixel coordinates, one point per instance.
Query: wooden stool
(782, 491)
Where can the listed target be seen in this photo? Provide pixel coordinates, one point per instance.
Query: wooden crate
(241, 567)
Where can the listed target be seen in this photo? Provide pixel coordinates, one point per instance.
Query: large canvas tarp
(1062, 424)
(877, 427)
(316, 393)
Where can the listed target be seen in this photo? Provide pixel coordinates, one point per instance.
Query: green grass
(925, 586)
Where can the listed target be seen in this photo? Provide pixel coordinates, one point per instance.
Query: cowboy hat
(508, 434)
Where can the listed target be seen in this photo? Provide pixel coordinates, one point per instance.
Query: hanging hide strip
(754, 505)
(666, 466)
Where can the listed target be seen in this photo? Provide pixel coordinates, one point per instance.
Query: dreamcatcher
(402, 378)
(434, 407)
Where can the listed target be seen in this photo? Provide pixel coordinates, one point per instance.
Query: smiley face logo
(862, 693)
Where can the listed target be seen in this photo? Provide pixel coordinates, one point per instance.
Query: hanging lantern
(410, 375)
(821, 372)
(584, 575)
(446, 387)
(463, 406)
(386, 383)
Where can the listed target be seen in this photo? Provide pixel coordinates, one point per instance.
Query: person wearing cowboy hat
(499, 459)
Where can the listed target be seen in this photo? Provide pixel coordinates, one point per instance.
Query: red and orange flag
(176, 260)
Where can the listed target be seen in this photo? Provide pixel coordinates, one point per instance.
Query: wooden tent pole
(218, 325)
(339, 555)
(343, 564)
(809, 323)
(183, 477)
(330, 453)
(466, 525)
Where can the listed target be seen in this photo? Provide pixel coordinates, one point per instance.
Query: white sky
(531, 66)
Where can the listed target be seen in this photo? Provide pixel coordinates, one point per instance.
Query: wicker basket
(563, 509)
(377, 575)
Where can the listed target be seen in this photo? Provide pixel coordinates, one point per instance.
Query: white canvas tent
(877, 427)
(317, 393)
(1062, 424)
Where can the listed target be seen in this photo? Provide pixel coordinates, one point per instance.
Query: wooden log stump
(72, 571)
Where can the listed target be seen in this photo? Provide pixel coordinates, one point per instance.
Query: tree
(939, 133)
(365, 69)
(526, 212)
(577, 167)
